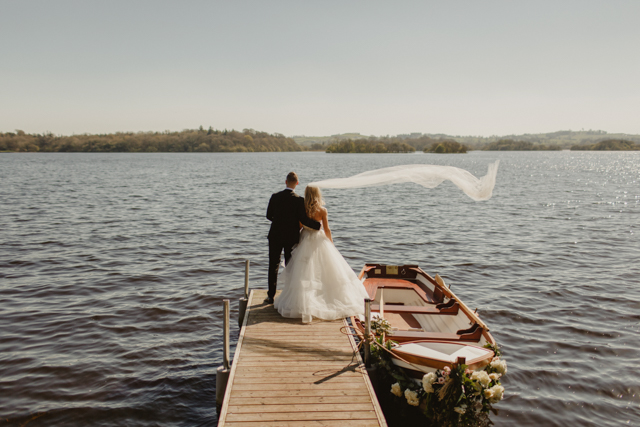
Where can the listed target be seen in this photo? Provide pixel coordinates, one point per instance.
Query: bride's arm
(325, 224)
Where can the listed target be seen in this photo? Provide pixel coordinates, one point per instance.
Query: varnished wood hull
(422, 309)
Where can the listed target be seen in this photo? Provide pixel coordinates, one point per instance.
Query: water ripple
(113, 269)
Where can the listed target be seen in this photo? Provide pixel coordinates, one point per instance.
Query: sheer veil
(429, 176)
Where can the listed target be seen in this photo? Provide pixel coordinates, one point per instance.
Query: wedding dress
(318, 282)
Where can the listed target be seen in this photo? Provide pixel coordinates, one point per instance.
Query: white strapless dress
(318, 282)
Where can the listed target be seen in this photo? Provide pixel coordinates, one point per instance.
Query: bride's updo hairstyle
(312, 200)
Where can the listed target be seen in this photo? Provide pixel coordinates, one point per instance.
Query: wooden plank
(293, 381)
(311, 407)
(286, 400)
(267, 360)
(303, 416)
(307, 344)
(267, 373)
(311, 360)
(314, 392)
(311, 328)
(274, 355)
(307, 355)
(293, 346)
(302, 344)
(306, 423)
(308, 376)
(292, 329)
(265, 350)
(295, 337)
(329, 349)
(292, 365)
(301, 386)
(301, 366)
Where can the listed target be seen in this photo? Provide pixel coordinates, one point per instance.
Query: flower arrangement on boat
(456, 396)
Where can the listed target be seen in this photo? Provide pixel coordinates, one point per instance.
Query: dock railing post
(367, 332)
(222, 374)
(242, 306)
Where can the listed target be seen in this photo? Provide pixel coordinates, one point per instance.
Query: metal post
(222, 374)
(242, 306)
(367, 332)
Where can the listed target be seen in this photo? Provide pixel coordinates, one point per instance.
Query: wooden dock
(286, 373)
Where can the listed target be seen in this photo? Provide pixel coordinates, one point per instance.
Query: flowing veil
(429, 176)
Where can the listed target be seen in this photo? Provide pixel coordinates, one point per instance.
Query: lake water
(113, 268)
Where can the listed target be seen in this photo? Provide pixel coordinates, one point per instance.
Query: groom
(286, 212)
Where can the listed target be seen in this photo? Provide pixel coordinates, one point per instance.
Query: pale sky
(320, 67)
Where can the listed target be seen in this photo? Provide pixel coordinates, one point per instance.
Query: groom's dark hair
(292, 178)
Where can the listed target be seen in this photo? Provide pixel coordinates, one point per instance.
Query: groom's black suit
(286, 212)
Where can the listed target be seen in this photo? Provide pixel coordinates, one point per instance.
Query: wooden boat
(432, 327)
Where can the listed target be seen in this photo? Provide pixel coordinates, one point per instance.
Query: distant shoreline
(249, 140)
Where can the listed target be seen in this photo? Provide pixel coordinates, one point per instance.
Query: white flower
(460, 410)
(427, 382)
(441, 380)
(412, 397)
(499, 365)
(488, 394)
(482, 377)
(497, 392)
(395, 389)
(494, 376)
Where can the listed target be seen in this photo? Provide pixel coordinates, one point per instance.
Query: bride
(317, 281)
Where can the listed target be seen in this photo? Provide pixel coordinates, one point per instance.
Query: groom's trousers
(275, 252)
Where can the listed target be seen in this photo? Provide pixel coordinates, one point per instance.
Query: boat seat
(451, 307)
(472, 334)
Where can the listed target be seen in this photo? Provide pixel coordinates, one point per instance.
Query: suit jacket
(286, 211)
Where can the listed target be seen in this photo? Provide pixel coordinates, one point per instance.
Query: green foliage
(369, 146)
(494, 347)
(446, 146)
(380, 325)
(511, 145)
(609, 145)
(188, 140)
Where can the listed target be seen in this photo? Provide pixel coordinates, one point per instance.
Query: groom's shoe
(268, 300)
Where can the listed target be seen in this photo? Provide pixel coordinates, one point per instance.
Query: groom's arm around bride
(285, 211)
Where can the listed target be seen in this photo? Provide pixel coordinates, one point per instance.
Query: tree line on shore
(369, 146)
(512, 145)
(249, 140)
(188, 140)
(609, 145)
(396, 145)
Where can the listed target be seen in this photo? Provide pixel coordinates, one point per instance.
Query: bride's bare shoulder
(320, 214)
